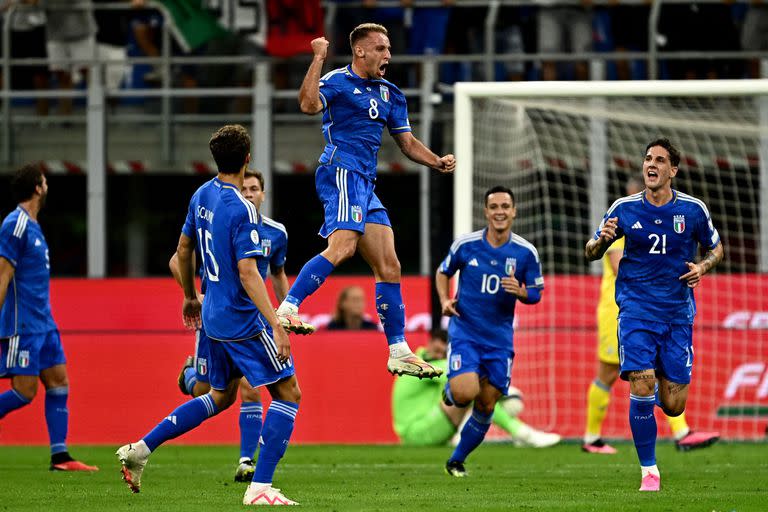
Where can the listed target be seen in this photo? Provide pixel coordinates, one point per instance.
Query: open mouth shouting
(383, 69)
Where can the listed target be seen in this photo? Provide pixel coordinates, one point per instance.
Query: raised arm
(309, 94)
(415, 150)
(596, 247)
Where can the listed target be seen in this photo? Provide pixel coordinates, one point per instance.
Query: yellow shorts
(607, 335)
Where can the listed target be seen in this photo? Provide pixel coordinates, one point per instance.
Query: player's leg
(250, 422)
(377, 247)
(15, 362)
(638, 354)
(23, 390)
(193, 379)
(476, 427)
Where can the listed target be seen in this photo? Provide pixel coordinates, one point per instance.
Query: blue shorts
(666, 348)
(29, 354)
(349, 201)
(495, 364)
(254, 359)
(202, 355)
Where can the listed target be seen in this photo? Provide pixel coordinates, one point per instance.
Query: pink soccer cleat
(598, 446)
(651, 482)
(697, 440)
(73, 465)
(265, 495)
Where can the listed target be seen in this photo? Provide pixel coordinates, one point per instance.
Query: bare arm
(447, 303)
(6, 274)
(595, 249)
(173, 265)
(257, 292)
(309, 94)
(279, 283)
(191, 308)
(415, 150)
(697, 270)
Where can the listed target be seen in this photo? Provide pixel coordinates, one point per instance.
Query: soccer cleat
(73, 465)
(132, 466)
(189, 363)
(265, 495)
(538, 439)
(244, 471)
(413, 365)
(292, 323)
(650, 482)
(598, 446)
(455, 468)
(695, 440)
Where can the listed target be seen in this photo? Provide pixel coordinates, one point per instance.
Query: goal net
(567, 151)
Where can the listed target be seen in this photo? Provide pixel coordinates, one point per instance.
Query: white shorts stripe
(272, 355)
(10, 358)
(273, 345)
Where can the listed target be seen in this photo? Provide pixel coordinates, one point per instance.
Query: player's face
(374, 50)
(43, 191)
(500, 211)
(657, 169)
(252, 191)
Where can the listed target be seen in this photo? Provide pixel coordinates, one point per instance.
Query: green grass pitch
(725, 477)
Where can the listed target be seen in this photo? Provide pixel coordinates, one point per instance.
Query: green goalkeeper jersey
(413, 398)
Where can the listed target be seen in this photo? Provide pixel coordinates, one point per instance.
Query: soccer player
(29, 338)
(246, 337)
(421, 418)
(193, 379)
(498, 269)
(599, 394)
(357, 103)
(654, 291)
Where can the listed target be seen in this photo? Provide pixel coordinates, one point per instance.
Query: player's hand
(190, 313)
(449, 307)
(283, 344)
(447, 163)
(608, 233)
(512, 285)
(693, 276)
(320, 47)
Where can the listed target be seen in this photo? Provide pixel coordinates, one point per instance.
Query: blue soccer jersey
(226, 227)
(355, 111)
(274, 245)
(27, 307)
(486, 311)
(659, 242)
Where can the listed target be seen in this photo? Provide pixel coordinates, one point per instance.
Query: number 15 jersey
(659, 242)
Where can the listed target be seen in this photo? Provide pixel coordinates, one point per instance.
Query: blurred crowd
(73, 32)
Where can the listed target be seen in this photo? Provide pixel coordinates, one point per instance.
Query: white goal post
(567, 149)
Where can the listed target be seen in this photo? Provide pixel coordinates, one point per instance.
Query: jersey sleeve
(246, 239)
(533, 276)
(328, 91)
(398, 122)
(189, 223)
(12, 241)
(706, 234)
(453, 262)
(279, 255)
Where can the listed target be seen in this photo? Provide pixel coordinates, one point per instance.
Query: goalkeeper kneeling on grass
(421, 418)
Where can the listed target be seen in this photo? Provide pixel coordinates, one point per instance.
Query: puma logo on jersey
(637, 225)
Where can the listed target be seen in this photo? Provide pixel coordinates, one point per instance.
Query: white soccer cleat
(291, 322)
(132, 465)
(265, 495)
(413, 365)
(529, 436)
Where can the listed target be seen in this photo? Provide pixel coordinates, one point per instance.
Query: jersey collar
(355, 76)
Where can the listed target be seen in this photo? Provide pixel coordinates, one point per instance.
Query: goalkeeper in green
(420, 417)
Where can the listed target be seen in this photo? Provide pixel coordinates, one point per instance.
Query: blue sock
(190, 379)
(643, 425)
(183, 419)
(278, 426)
(389, 304)
(472, 435)
(250, 428)
(10, 401)
(57, 417)
(311, 277)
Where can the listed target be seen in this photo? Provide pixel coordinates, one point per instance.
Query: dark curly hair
(230, 146)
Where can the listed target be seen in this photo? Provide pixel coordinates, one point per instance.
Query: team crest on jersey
(384, 91)
(357, 213)
(266, 247)
(678, 223)
(455, 362)
(24, 358)
(510, 266)
(202, 366)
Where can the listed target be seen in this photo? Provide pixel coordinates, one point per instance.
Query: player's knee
(249, 394)
(223, 399)
(674, 410)
(463, 397)
(200, 389)
(485, 408)
(25, 387)
(388, 270)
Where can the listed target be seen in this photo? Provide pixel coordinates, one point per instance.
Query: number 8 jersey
(486, 311)
(226, 228)
(659, 242)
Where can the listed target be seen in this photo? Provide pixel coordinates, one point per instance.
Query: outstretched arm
(415, 150)
(309, 94)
